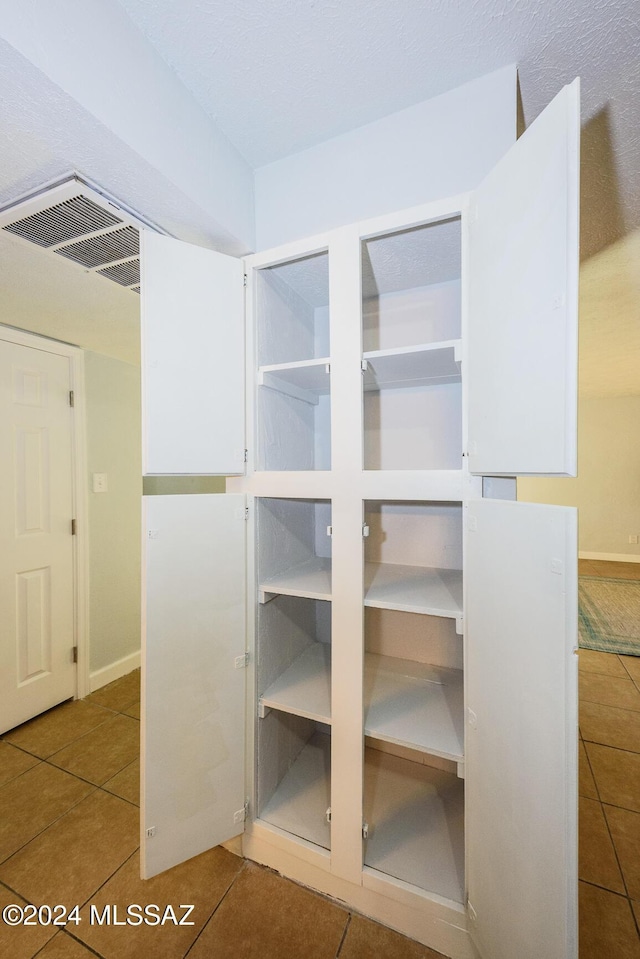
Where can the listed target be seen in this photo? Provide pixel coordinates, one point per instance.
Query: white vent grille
(104, 248)
(78, 223)
(64, 221)
(123, 273)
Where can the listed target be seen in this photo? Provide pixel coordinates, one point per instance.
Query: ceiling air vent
(78, 222)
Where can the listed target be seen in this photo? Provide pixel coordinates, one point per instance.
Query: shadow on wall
(602, 220)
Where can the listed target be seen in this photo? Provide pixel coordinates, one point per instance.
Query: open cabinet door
(193, 676)
(522, 729)
(192, 359)
(523, 301)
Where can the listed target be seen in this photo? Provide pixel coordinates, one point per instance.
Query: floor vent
(73, 220)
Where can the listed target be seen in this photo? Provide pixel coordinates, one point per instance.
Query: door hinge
(74, 527)
(244, 279)
(327, 815)
(365, 530)
(241, 661)
(365, 830)
(72, 398)
(242, 814)
(74, 654)
(246, 456)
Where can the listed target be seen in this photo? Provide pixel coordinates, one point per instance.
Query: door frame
(75, 356)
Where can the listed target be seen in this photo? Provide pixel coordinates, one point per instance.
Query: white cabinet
(401, 733)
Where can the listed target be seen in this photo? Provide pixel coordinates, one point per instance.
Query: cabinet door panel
(193, 693)
(523, 301)
(192, 358)
(521, 736)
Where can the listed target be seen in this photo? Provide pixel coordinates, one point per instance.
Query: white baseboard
(611, 557)
(102, 677)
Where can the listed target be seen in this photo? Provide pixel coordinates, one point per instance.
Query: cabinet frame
(438, 922)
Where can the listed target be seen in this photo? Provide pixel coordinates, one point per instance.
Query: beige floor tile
(607, 928)
(13, 762)
(598, 863)
(366, 939)
(625, 831)
(77, 854)
(126, 783)
(20, 942)
(119, 694)
(201, 882)
(595, 662)
(33, 801)
(632, 665)
(63, 946)
(608, 690)
(58, 727)
(264, 916)
(617, 775)
(610, 726)
(586, 783)
(103, 752)
(133, 710)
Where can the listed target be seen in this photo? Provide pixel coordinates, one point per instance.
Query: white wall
(93, 52)
(434, 149)
(607, 489)
(113, 447)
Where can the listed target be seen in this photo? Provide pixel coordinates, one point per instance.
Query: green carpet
(609, 614)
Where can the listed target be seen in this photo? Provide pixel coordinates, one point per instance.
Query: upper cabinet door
(523, 301)
(522, 729)
(192, 358)
(193, 687)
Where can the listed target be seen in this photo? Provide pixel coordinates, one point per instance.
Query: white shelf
(428, 363)
(299, 804)
(414, 704)
(304, 689)
(416, 824)
(408, 703)
(414, 589)
(306, 380)
(311, 579)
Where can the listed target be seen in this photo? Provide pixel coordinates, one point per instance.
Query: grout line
(109, 878)
(615, 851)
(620, 749)
(344, 934)
(593, 776)
(219, 903)
(44, 829)
(82, 943)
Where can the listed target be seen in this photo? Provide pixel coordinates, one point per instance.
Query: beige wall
(113, 447)
(607, 489)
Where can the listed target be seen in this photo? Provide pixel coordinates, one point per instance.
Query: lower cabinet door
(521, 729)
(193, 676)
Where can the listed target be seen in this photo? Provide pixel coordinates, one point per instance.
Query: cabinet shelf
(306, 380)
(416, 824)
(414, 589)
(407, 703)
(415, 815)
(299, 804)
(414, 704)
(311, 579)
(422, 365)
(304, 689)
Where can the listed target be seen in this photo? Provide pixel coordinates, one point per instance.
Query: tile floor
(609, 790)
(69, 834)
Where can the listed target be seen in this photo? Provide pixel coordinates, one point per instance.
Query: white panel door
(523, 301)
(522, 729)
(36, 546)
(192, 358)
(193, 676)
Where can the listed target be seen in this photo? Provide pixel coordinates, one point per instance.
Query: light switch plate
(100, 482)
